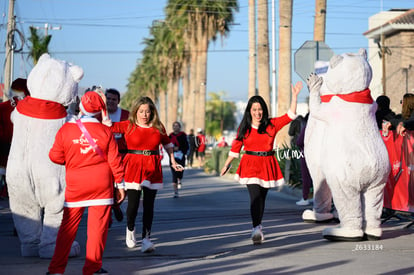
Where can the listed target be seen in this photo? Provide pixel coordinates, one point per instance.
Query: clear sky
(105, 37)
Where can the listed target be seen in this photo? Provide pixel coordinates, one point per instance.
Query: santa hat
(20, 85)
(91, 103)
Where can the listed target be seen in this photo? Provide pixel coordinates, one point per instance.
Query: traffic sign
(306, 56)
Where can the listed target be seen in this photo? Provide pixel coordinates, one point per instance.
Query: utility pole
(274, 105)
(8, 70)
(320, 21)
(383, 53)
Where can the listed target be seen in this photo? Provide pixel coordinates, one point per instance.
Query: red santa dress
(89, 183)
(142, 170)
(262, 170)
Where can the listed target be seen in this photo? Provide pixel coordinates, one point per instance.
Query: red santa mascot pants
(97, 232)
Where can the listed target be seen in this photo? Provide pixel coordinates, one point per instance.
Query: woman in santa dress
(143, 133)
(258, 168)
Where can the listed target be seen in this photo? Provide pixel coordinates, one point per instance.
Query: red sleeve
(280, 122)
(115, 160)
(57, 152)
(236, 145)
(119, 127)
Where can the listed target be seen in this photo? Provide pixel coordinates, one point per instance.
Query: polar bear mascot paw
(351, 154)
(37, 185)
(310, 215)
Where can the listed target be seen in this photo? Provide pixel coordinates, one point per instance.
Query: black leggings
(257, 202)
(148, 209)
(177, 174)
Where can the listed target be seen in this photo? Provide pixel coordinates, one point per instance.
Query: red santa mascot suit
(90, 153)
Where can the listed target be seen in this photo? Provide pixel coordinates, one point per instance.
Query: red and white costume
(262, 170)
(201, 139)
(90, 181)
(141, 170)
(88, 175)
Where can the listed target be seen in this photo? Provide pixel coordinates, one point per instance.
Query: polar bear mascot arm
(315, 131)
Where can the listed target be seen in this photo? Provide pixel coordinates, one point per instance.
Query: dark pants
(306, 179)
(191, 156)
(177, 174)
(148, 209)
(257, 202)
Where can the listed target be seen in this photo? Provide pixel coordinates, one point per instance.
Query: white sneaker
(147, 246)
(303, 202)
(179, 184)
(130, 238)
(257, 235)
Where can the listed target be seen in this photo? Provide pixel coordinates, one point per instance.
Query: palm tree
(40, 44)
(285, 64)
(252, 48)
(204, 19)
(263, 66)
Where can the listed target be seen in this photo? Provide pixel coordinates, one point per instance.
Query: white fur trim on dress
(261, 182)
(145, 183)
(234, 155)
(291, 114)
(89, 203)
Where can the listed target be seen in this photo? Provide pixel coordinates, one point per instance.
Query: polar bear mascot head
(36, 185)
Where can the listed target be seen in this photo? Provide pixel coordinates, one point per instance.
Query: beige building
(391, 54)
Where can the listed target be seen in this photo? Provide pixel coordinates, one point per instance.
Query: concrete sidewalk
(207, 231)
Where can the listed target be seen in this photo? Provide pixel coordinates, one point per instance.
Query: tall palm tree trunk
(285, 65)
(193, 83)
(185, 117)
(320, 20)
(263, 51)
(162, 99)
(252, 48)
(172, 102)
(202, 80)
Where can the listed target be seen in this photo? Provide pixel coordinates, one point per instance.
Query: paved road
(207, 230)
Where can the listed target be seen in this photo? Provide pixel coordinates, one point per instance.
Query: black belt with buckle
(260, 153)
(144, 152)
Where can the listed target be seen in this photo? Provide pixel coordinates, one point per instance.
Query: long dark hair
(246, 122)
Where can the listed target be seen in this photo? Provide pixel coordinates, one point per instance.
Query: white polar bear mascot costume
(353, 158)
(37, 185)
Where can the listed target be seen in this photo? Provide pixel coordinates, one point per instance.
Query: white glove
(314, 83)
